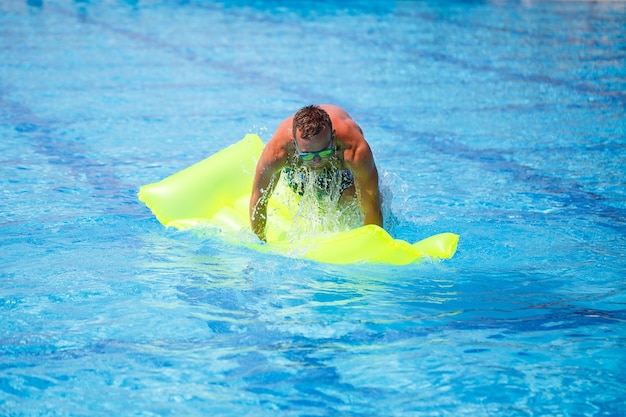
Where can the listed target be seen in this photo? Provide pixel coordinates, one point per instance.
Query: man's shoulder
(277, 150)
(332, 108)
(336, 113)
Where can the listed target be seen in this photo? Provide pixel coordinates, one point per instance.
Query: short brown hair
(310, 120)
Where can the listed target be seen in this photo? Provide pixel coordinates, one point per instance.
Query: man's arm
(360, 160)
(366, 184)
(262, 188)
(271, 162)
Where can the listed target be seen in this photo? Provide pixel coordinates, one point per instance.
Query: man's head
(313, 136)
(310, 121)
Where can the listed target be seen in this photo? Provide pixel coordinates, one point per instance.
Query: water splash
(315, 198)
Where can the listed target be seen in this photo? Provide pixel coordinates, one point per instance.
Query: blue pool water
(502, 121)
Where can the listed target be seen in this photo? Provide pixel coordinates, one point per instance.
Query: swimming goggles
(309, 156)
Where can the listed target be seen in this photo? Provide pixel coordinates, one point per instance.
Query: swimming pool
(501, 121)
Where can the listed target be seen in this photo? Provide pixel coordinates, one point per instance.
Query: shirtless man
(317, 138)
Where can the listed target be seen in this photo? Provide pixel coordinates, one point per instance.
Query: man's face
(315, 151)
